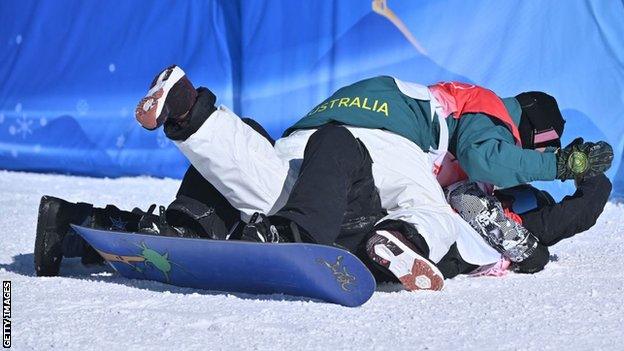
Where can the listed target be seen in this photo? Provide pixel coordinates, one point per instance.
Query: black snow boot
(55, 239)
(263, 229)
(53, 221)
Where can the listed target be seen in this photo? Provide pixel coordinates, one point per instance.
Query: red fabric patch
(459, 98)
(512, 215)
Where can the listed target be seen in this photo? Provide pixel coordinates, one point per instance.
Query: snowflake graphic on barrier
(162, 139)
(23, 126)
(121, 140)
(82, 107)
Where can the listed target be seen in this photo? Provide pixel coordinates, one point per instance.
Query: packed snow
(577, 303)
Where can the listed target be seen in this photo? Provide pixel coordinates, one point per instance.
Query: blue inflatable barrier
(72, 71)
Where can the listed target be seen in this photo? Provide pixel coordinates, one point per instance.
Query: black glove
(583, 159)
(535, 262)
(183, 127)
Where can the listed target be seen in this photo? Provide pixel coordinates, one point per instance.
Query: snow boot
(392, 251)
(53, 221)
(55, 239)
(171, 96)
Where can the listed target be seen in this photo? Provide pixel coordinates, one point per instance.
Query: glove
(583, 159)
(183, 127)
(535, 262)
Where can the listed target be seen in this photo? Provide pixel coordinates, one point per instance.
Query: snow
(576, 303)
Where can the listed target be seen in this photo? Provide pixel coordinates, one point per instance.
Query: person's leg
(409, 191)
(199, 205)
(55, 239)
(420, 226)
(198, 211)
(334, 199)
(259, 129)
(238, 161)
(363, 212)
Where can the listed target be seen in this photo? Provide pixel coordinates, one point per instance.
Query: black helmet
(541, 124)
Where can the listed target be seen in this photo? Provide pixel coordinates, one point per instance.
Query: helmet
(541, 123)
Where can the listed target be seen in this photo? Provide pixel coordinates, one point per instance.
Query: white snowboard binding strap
(390, 250)
(485, 214)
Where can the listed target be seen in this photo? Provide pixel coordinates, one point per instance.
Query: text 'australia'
(353, 102)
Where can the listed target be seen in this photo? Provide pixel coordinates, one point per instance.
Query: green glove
(583, 159)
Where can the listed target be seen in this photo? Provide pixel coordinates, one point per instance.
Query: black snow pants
(334, 198)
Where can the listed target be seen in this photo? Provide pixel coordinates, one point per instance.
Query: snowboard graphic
(309, 270)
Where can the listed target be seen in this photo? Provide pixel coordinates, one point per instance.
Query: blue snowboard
(309, 270)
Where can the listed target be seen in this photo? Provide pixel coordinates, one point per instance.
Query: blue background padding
(72, 71)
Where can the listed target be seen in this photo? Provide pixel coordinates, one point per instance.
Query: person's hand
(583, 159)
(535, 262)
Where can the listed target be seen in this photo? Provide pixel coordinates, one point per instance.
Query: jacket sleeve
(574, 214)
(487, 152)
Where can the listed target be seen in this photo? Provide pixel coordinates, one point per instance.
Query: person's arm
(574, 214)
(487, 152)
(535, 262)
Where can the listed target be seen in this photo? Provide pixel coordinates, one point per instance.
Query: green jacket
(484, 147)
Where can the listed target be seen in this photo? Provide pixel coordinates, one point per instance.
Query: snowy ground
(577, 303)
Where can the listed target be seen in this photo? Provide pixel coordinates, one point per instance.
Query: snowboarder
(361, 150)
(550, 222)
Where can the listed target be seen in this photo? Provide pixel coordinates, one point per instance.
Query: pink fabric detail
(545, 136)
(459, 98)
(498, 269)
(449, 172)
